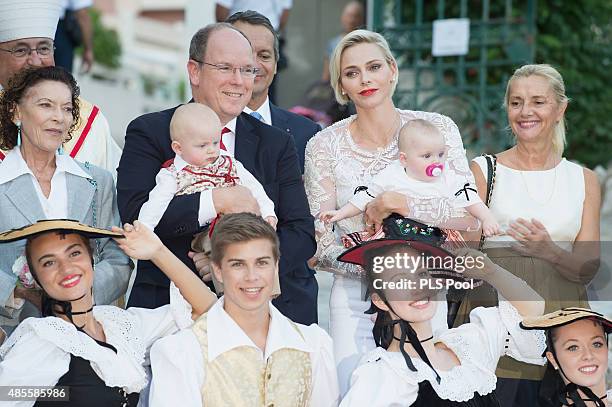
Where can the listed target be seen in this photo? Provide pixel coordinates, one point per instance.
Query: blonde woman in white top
(349, 154)
(548, 206)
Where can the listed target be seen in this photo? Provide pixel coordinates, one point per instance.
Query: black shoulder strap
(491, 168)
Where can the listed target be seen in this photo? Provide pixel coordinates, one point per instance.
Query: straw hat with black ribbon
(362, 255)
(566, 316)
(553, 388)
(61, 226)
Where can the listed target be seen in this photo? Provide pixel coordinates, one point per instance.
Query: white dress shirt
(229, 138)
(178, 364)
(166, 186)
(56, 205)
(264, 111)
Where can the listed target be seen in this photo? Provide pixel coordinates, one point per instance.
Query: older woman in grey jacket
(38, 112)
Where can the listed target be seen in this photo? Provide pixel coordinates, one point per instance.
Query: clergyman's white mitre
(29, 19)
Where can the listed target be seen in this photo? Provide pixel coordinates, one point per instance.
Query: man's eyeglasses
(43, 51)
(225, 69)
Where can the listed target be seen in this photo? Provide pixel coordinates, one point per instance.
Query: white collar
(224, 334)
(179, 163)
(264, 111)
(14, 166)
(123, 369)
(231, 125)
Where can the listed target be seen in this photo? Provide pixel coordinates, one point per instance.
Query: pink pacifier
(434, 170)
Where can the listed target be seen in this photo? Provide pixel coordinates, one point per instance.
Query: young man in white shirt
(244, 351)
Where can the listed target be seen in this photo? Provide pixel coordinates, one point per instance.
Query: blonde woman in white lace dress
(347, 155)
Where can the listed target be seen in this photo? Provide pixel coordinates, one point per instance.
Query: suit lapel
(247, 143)
(279, 120)
(22, 194)
(80, 196)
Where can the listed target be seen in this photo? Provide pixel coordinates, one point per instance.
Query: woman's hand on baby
(272, 220)
(329, 216)
(138, 242)
(312, 262)
(384, 205)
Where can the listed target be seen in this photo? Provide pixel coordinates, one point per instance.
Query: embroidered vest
(240, 378)
(192, 179)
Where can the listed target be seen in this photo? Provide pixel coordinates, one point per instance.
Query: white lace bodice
(492, 333)
(335, 165)
(38, 352)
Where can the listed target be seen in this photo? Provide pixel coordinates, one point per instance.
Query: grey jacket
(87, 199)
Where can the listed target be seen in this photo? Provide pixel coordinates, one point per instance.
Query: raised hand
(384, 205)
(477, 264)
(138, 242)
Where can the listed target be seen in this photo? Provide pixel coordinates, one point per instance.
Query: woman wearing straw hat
(577, 353)
(98, 352)
(413, 366)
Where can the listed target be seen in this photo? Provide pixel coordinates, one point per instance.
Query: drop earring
(18, 124)
(60, 149)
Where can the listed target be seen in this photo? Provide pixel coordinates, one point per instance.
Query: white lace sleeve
(499, 328)
(177, 370)
(320, 187)
(30, 360)
(61, 339)
(162, 321)
(376, 383)
(325, 392)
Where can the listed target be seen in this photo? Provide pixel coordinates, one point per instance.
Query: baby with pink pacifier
(419, 173)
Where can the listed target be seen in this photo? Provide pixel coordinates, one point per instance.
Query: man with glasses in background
(221, 72)
(27, 28)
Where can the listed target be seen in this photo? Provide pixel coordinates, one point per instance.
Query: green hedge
(576, 38)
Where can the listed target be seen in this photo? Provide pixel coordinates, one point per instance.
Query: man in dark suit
(264, 40)
(221, 74)
(265, 43)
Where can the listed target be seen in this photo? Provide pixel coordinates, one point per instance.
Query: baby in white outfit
(419, 172)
